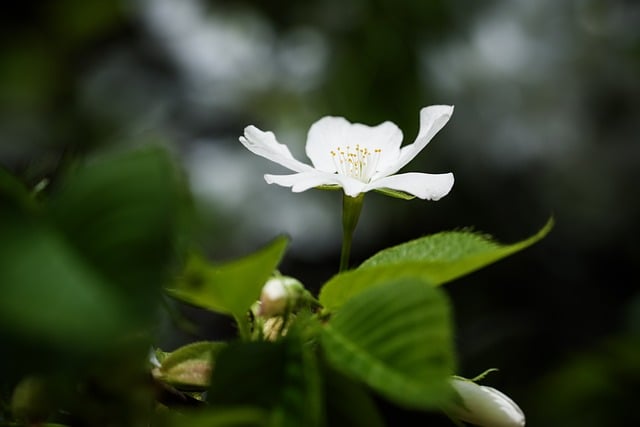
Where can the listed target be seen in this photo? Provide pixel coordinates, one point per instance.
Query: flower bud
(31, 400)
(484, 406)
(278, 295)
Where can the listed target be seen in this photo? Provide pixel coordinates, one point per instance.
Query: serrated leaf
(435, 259)
(229, 288)
(468, 250)
(395, 337)
(189, 367)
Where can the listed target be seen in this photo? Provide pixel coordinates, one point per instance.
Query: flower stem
(244, 329)
(351, 207)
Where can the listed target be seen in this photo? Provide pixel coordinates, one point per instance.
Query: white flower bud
(485, 406)
(278, 294)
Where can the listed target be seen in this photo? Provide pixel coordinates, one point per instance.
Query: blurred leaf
(220, 417)
(123, 213)
(80, 270)
(435, 259)
(593, 387)
(30, 401)
(28, 74)
(78, 22)
(189, 367)
(229, 288)
(49, 295)
(396, 338)
(281, 377)
(14, 193)
(348, 403)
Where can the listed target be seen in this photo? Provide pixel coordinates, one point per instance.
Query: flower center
(356, 162)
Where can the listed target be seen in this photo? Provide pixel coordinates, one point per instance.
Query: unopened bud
(485, 406)
(31, 400)
(279, 294)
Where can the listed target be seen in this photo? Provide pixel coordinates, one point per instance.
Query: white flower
(356, 157)
(485, 406)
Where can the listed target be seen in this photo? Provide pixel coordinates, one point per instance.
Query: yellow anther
(358, 162)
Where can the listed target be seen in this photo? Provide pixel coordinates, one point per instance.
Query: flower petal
(305, 180)
(485, 406)
(300, 181)
(264, 144)
(329, 133)
(423, 185)
(432, 119)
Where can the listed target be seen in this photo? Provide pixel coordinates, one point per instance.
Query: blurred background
(546, 122)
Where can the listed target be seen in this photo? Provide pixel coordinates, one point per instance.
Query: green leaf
(329, 187)
(395, 193)
(81, 270)
(13, 192)
(348, 402)
(344, 286)
(395, 337)
(50, 296)
(229, 288)
(189, 367)
(460, 251)
(435, 259)
(219, 417)
(281, 377)
(124, 212)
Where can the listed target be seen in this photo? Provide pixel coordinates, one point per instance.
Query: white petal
(265, 144)
(423, 185)
(305, 180)
(329, 133)
(351, 186)
(486, 406)
(432, 119)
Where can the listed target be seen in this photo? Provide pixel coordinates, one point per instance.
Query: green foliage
(30, 402)
(123, 213)
(590, 388)
(348, 402)
(397, 338)
(280, 377)
(83, 267)
(219, 417)
(435, 259)
(229, 288)
(189, 367)
(395, 193)
(13, 194)
(77, 307)
(452, 253)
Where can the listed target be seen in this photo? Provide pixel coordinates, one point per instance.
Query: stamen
(359, 162)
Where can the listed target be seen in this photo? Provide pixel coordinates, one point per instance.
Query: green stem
(351, 208)
(244, 329)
